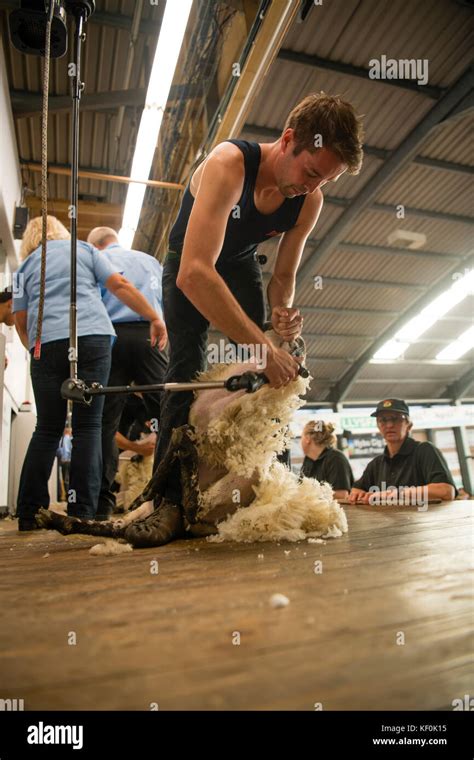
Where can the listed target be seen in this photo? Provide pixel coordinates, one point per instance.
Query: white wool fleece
(285, 510)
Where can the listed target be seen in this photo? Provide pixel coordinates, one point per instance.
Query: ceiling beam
(387, 208)
(344, 385)
(398, 380)
(341, 359)
(95, 174)
(393, 251)
(350, 281)
(342, 310)
(463, 108)
(371, 150)
(426, 362)
(390, 169)
(314, 61)
(447, 166)
(26, 104)
(423, 212)
(263, 43)
(91, 208)
(458, 389)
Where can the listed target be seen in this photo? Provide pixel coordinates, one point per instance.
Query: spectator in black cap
(6, 316)
(416, 470)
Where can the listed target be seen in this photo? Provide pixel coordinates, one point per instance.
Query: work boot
(165, 524)
(27, 523)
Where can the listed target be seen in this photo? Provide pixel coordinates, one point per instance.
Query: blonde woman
(323, 461)
(95, 337)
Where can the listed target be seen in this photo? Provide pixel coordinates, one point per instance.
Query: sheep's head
(296, 347)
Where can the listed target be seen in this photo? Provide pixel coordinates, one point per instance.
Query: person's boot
(165, 524)
(27, 523)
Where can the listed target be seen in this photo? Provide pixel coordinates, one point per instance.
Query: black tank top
(246, 227)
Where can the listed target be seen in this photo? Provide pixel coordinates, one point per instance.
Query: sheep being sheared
(233, 486)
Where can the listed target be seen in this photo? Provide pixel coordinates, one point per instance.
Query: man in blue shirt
(133, 358)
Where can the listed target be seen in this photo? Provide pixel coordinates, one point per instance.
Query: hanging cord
(44, 180)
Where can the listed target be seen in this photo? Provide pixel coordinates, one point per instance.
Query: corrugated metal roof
(399, 370)
(433, 189)
(354, 297)
(325, 345)
(451, 142)
(374, 227)
(345, 323)
(380, 266)
(392, 27)
(428, 389)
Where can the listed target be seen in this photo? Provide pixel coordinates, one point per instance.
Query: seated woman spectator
(95, 336)
(410, 470)
(324, 462)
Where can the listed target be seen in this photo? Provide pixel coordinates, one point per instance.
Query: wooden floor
(144, 638)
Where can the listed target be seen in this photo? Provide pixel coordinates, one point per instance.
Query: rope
(44, 181)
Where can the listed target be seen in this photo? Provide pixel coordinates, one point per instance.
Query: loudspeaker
(22, 215)
(28, 28)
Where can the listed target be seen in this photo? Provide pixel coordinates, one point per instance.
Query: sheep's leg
(166, 521)
(156, 485)
(68, 525)
(188, 461)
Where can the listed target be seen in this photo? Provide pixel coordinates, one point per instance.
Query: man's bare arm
(281, 288)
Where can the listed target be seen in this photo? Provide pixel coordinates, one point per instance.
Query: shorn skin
(232, 485)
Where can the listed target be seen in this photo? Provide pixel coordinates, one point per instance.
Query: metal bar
(114, 389)
(446, 166)
(371, 283)
(424, 212)
(90, 174)
(343, 359)
(343, 310)
(397, 381)
(348, 69)
(409, 210)
(77, 87)
(427, 362)
(457, 390)
(410, 401)
(26, 103)
(465, 458)
(392, 251)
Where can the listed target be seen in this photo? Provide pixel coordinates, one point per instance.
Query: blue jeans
(47, 375)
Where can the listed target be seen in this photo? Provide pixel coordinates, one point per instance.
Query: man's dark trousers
(133, 360)
(188, 333)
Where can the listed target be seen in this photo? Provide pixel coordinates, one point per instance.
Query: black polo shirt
(332, 467)
(416, 464)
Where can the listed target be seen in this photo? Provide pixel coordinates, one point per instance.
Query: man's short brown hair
(336, 122)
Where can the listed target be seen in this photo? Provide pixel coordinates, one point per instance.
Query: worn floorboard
(167, 638)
